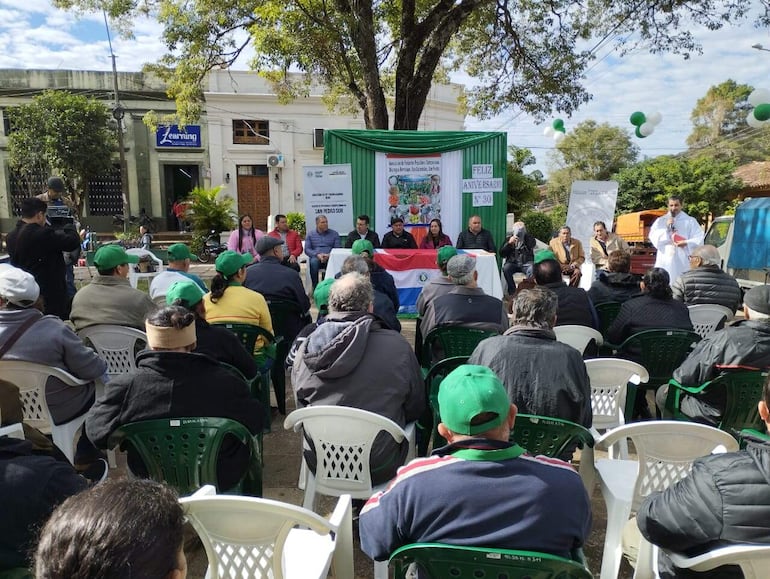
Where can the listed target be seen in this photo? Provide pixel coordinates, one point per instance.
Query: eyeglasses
(693, 257)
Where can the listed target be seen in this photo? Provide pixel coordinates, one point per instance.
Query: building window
(246, 132)
(253, 170)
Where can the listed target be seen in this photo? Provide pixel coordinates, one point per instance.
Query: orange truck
(635, 229)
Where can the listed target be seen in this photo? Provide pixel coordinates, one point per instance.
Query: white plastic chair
(247, 537)
(609, 377)
(30, 379)
(754, 560)
(13, 431)
(665, 451)
(116, 345)
(343, 438)
(706, 317)
(577, 336)
(133, 275)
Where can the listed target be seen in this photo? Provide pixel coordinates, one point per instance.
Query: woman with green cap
(230, 302)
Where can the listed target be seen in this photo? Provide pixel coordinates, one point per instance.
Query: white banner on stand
(329, 191)
(591, 201)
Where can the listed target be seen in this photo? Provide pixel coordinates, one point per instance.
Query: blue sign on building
(173, 136)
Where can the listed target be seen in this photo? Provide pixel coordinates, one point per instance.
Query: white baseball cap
(18, 286)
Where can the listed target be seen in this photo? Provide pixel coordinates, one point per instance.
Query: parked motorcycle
(212, 247)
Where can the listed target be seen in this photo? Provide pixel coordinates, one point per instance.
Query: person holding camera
(64, 212)
(37, 248)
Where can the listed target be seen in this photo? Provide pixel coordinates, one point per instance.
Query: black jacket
(224, 346)
(177, 385)
(405, 241)
(574, 306)
(614, 287)
(707, 285)
(354, 236)
(481, 240)
(645, 312)
(38, 250)
(724, 500)
(522, 252)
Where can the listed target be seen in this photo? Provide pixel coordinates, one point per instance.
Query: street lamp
(758, 46)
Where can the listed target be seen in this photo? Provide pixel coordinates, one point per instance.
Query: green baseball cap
(362, 245)
(229, 262)
(180, 251)
(321, 292)
(186, 292)
(545, 255)
(109, 256)
(445, 254)
(467, 392)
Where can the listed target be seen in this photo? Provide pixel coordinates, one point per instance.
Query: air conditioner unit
(275, 161)
(318, 138)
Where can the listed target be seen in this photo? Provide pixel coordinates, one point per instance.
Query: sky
(33, 34)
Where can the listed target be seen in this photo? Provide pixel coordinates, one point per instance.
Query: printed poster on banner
(414, 188)
(329, 191)
(590, 201)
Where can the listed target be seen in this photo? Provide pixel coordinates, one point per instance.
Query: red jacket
(292, 241)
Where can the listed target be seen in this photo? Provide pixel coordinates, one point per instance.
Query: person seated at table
(569, 253)
(616, 283)
(319, 245)
(398, 237)
(170, 381)
(230, 302)
(575, 307)
(362, 231)
(476, 237)
(436, 238)
(123, 528)
(439, 285)
(466, 305)
(243, 239)
(214, 341)
(480, 490)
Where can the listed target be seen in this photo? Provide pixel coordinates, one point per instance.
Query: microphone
(670, 226)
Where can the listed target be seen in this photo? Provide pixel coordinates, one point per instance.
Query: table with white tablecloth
(412, 269)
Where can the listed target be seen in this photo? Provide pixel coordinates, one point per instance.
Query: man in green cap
(457, 495)
(179, 258)
(109, 298)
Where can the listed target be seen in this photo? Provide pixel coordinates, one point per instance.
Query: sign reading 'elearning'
(173, 136)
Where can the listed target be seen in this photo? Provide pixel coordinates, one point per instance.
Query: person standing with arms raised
(675, 235)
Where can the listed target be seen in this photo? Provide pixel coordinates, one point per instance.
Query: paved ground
(282, 463)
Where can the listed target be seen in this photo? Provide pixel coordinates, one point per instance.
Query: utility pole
(118, 112)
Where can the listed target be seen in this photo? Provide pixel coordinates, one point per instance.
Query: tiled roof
(756, 174)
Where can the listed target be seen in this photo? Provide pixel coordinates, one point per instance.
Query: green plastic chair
(17, 573)
(660, 352)
(454, 341)
(431, 418)
(438, 561)
(743, 389)
(260, 389)
(607, 312)
(747, 433)
(280, 312)
(183, 452)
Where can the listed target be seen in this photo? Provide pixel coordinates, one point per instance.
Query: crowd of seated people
(355, 355)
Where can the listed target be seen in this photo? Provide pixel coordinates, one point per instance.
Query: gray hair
(708, 254)
(355, 263)
(460, 268)
(351, 293)
(535, 307)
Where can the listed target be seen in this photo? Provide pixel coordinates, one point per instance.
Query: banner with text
(591, 201)
(329, 191)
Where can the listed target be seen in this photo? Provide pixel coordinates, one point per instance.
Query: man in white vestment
(675, 235)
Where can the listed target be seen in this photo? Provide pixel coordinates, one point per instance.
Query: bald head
(708, 254)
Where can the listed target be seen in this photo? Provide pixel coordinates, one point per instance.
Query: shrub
(539, 225)
(296, 222)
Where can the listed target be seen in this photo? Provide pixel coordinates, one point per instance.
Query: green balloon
(638, 119)
(762, 112)
(638, 133)
(558, 125)
(561, 129)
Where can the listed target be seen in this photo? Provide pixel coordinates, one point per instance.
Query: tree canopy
(528, 54)
(60, 132)
(522, 188)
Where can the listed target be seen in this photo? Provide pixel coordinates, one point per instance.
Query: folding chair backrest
(116, 345)
(248, 334)
(577, 336)
(607, 311)
(662, 351)
(343, 438)
(706, 318)
(433, 380)
(744, 390)
(183, 452)
(666, 450)
(541, 435)
(438, 561)
(454, 341)
(609, 377)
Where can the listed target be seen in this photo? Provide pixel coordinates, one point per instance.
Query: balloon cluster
(556, 130)
(760, 114)
(645, 124)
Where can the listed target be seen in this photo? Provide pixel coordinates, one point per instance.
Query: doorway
(254, 194)
(178, 181)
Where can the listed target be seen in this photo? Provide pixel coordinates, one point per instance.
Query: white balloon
(646, 129)
(558, 136)
(759, 96)
(753, 122)
(654, 118)
(548, 132)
